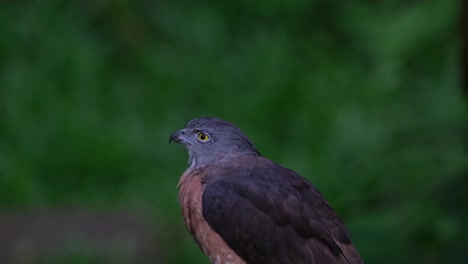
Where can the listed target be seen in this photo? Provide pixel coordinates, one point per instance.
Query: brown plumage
(190, 197)
(243, 208)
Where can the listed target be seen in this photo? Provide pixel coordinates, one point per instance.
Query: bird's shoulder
(266, 183)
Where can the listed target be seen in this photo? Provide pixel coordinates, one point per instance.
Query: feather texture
(269, 214)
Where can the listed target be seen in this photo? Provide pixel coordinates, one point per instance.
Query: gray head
(208, 139)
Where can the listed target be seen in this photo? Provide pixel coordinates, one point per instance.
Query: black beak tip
(171, 138)
(175, 136)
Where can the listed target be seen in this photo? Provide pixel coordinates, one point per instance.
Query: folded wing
(270, 214)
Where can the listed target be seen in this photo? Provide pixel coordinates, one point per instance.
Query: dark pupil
(202, 136)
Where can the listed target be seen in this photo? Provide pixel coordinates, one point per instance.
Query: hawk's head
(208, 139)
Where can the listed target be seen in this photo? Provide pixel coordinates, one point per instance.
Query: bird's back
(269, 214)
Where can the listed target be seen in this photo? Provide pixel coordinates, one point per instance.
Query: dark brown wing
(270, 214)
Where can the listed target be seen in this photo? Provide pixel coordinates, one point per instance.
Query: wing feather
(270, 214)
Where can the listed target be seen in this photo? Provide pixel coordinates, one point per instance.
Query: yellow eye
(202, 136)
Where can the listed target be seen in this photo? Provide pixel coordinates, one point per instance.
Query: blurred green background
(363, 98)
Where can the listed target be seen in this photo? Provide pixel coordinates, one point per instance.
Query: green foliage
(362, 98)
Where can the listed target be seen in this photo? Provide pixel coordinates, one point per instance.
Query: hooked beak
(177, 136)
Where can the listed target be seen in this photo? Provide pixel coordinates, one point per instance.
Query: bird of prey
(241, 207)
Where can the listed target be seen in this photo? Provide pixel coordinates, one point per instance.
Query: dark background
(364, 98)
